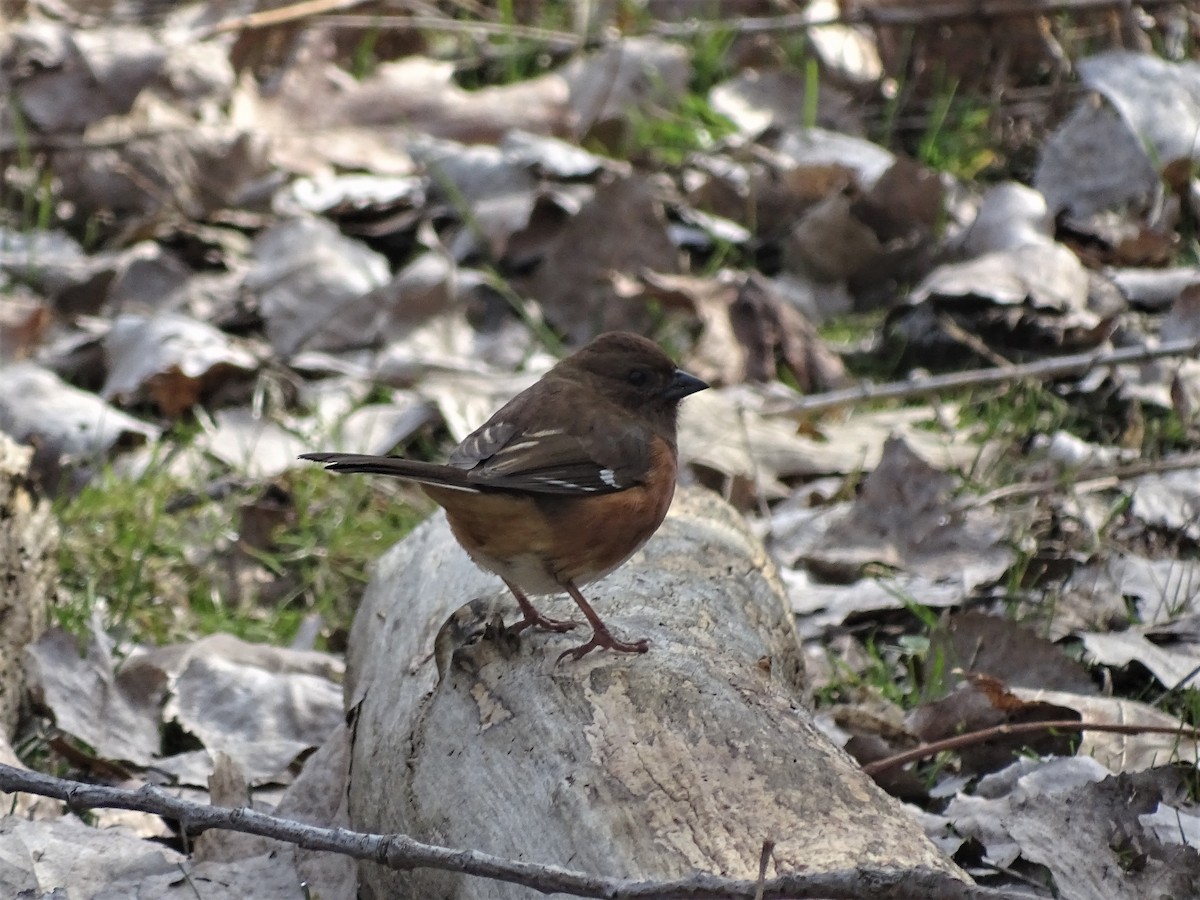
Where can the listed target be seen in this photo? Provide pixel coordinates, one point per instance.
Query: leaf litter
(215, 254)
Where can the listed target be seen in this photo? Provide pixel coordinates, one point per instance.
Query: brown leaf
(621, 229)
(23, 323)
(263, 517)
(905, 517)
(171, 360)
(776, 334)
(1005, 650)
(907, 197)
(748, 330)
(984, 703)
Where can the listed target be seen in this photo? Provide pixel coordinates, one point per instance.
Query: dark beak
(683, 384)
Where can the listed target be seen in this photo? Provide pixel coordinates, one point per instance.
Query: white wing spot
(609, 477)
(488, 435)
(559, 482)
(511, 448)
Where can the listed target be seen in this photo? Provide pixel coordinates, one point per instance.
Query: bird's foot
(531, 618)
(602, 639)
(537, 620)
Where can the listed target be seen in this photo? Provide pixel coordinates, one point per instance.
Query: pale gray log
(684, 759)
(28, 574)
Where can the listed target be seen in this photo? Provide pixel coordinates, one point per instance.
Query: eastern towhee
(566, 481)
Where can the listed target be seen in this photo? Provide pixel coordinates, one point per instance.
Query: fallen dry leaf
(1161, 589)
(264, 720)
(172, 360)
(117, 717)
(1044, 274)
(1005, 650)
(820, 603)
(609, 86)
(489, 191)
(66, 854)
(1093, 163)
(983, 703)
(904, 518)
(749, 331)
(758, 99)
(1010, 216)
(419, 93)
(36, 407)
(250, 443)
(1080, 823)
(157, 163)
(1159, 100)
(59, 67)
(313, 287)
(620, 229)
(263, 706)
(381, 427)
(1174, 667)
(1123, 752)
(1168, 500)
(1154, 289)
(24, 321)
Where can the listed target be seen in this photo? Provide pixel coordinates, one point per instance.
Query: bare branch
(402, 852)
(1046, 368)
(1088, 479)
(923, 14)
(909, 15)
(983, 735)
(475, 27)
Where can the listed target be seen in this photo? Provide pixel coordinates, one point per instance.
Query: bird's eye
(638, 377)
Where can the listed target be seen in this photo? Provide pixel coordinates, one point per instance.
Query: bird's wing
(568, 460)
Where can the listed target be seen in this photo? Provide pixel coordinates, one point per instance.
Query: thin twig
(401, 852)
(972, 738)
(393, 23)
(1045, 368)
(1088, 479)
(280, 15)
(916, 15)
(763, 859)
(913, 15)
(903, 16)
(547, 36)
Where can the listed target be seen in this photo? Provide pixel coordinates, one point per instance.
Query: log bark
(684, 759)
(28, 574)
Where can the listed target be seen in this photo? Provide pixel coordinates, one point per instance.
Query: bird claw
(558, 626)
(605, 641)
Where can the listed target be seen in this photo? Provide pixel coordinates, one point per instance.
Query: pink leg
(534, 618)
(601, 637)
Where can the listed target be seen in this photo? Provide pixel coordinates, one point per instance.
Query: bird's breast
(540, 541)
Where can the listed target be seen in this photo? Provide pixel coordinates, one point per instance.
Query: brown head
(633, 373)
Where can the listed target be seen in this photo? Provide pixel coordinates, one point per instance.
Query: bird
(565, 482)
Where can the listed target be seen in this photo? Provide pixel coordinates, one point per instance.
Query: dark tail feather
(423, 472)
